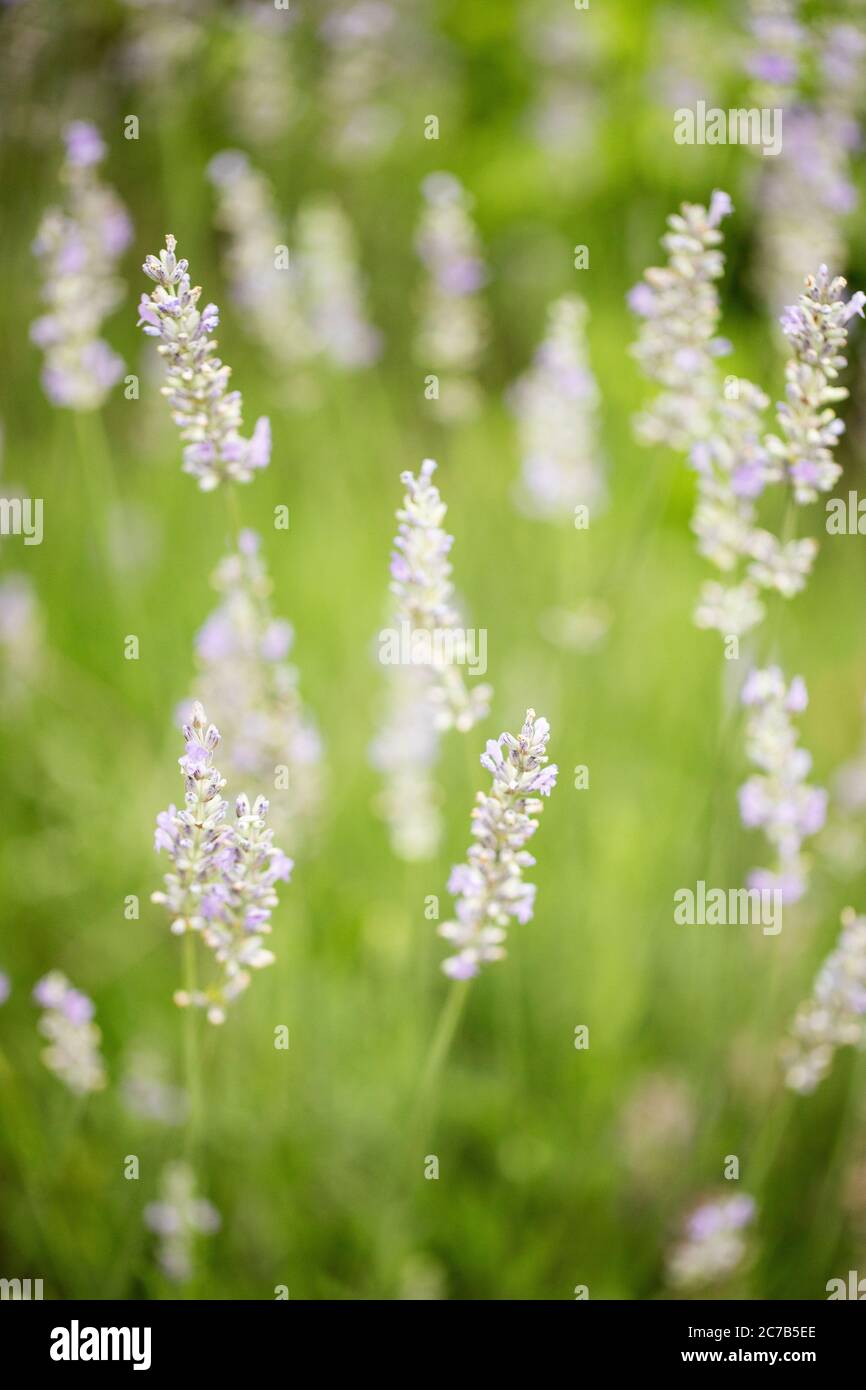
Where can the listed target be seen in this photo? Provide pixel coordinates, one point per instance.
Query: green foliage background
(305, 1152)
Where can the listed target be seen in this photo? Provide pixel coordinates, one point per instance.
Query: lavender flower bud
(489, 888)
(206, 412)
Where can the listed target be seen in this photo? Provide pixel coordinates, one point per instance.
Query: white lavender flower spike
(678, 343)
(178, 1218)
(421, 584)
(713, 1246)
(454, 329)
(268, 296)
(248, 684)
(206, 411)
(490, 889)
(835, 1016)
(556, 404)
(78, 248)
(332, 287)
(778, 799)
(222, 885)
(73, 1038)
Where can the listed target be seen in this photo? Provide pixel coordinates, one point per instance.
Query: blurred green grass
(304, 1151)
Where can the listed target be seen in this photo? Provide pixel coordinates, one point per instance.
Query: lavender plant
(427, 693)
(253, 691)
(222, 884)
(206, 412)
(268, 295)
(73, 1038)
(835, 1015)
(178, 1218)
(78, 248)
(778, 799)
(734, 459)
(556, 402)
(489, 887)
(453, 330)
(333, 288)
(714, 1245)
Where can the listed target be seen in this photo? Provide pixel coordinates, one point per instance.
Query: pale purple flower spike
(778, 799)
(178, 1218)
(207, 412)
(713, 1245)
(223, 881)
(489, 887)
(835, 1016)
(78, 247)
(73, 1038)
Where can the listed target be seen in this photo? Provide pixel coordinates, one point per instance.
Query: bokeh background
(558, 1167)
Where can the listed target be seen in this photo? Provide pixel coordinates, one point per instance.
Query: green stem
(192, 1056)
(425, 1100)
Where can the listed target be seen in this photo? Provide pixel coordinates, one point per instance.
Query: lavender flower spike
(490, 885)
(78, 248)
(208, 414)
(177, 1219)
(835, 1016)
(678, 342)
(73, 1051)
(421, 584)
(713, 1245)
(222, 883)
(778, 799)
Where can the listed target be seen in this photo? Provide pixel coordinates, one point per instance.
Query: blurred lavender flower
(556, 403)
(78, 248)
(5, 987)
(714, 1245)
(267, 294)
(423, 698)
(332, 286)
(146, 1092)
(807, 192)
(208, 414)
(678, 342)
(405, 752)
(489, 887)
(177, 1219)
(22, 647)
(224, 876)
(364, 39)
(835, 1016)
(67, 1022)
(265, 94)
(778, 799)
(421, 584)
(252, 690)
(453, 330)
